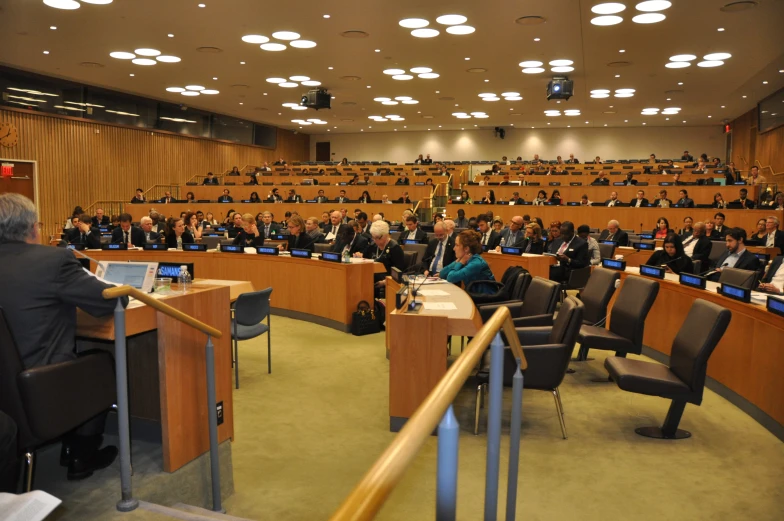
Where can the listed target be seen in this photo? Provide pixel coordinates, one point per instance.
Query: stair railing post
(212, 414)
(127, 502)
(494, 427)
(514, 443)
(446, 474)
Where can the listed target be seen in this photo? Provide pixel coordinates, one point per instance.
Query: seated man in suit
(571, 252)
(662, 201)
(601, 180)
(210, 179)
(149, 235)
(100, 219)
(773, 281)
(158, 225)
(83, 233)
(613, 200)
(490, 238)
(516, 199)
(364, 225)
(775, 238)
(513, 236)
(349, 236)
(403, 179)
(293, 197)
(640, 201)
(743, 200)
(267, 227)
(572, 160)
(332, 231)
(685, 201)
(128, 234)
(687, 157)
(614, 233)
(698, 246)
(139, 197)
(42, 287)
(676, 179)
(629, 180)
(718, 224)
(404, 198)
(321, 198)
(736, 256)
(225, 198)
(341, 198)
(412, 231)
(167, 198)
(440, 251)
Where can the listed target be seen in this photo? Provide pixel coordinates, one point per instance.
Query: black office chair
(684, 380)
(547, 351)
(537, 307)
(491, 291)
(606, 250)
(596, 295)
(519, 289)
(577, 279)
(409, 259)
(249, 312)
(49, 401)
(738, 277)
(627, 322)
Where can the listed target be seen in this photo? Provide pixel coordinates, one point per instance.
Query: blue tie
(438, 258)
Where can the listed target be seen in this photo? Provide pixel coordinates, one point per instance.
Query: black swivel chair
(249, 312)
(517, 294)
(684, 380)
(738, 277)
(49, 401)
(409, 258)
(501, 291)
(606, 250)
(537, 307)
(627, 322)
(547, 351)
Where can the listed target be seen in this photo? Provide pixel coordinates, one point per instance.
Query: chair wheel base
(570, 371)
(656, 432)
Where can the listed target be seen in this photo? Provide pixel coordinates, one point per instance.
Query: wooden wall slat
(767, 148)
(80, 162)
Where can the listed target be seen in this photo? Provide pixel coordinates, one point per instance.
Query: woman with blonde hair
(249, 236)
(298, 239)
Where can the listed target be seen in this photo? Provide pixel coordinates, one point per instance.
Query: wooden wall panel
(80, 162)
(767, 148)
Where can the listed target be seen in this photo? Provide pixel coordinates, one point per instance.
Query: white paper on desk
(432, 293)
(32, 506)
(439, 306)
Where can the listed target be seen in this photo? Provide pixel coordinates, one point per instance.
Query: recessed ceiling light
(53, 27)
(276, 80)
(255, 38)
(402, 77)
(63, 4)
(289, 105)
(653, 5)
(242, 63)
(403, 98)
(744, 97)
(606, 20)
(600, 95)
(648, 18)
(46, 52)
(467, 58)
(378, 50)
(683, 58)
(202, 5)
(608, 8)
(537, 39)
(677, 65)
(120, 55)
(680, 83)
(617, 75)
(299, 107)
(491, 98)
(210, 91)
(285, 35)
(621, 50)
(132, 75)
(392, 72)
(509, 94)
(425, 33)
(532, 70)
(451, 19)
(562, 69)
(168, 59)
(368, 86)
(710, 63)
(460, 29)
(299, 78)
(410, 102)
(624, 91)
(530, 63)
(720, 29)
(144, 61)
(147, 52)
(429, 76)
(175, 89)
(421, 70)
(288, 84)
(189, 93)
(716, 56)
(389, 102)
(381, 99)
(561, 63)
(311, 83)
(722, 106)
(194, 87)
(303, 44)
(413, 23)
(273, 47)
(764, 82)
(326, 16)
(170, 35)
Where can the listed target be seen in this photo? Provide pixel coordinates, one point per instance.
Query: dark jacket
(682, 265)
(747, 261)
(392, 256)
(701, 250)
(746, 203)
(154, 237)
(644, 203)
(171, 239)
(208, 181)
(225, 199)
(303, 241)
(137, 236)
(577, 251)
(536, 248)
(91, 241)
(686, 202)
(621, 237)
(402, 181)
(601, 182)
(519, 240)
(658, 202)
(359, 243)
(420, 236)
(249, 239)
(774, 266)
(104, 222)
(406, 200)
(447, 253)
(42, 287)
(493, 239)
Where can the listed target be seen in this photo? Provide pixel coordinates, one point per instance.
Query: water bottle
(179, 243)
(346, 255)
(503, 241)
(185, 279)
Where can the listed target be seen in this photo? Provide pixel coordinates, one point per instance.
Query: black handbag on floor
(364, 320)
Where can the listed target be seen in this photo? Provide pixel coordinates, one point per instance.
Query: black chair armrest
(534, 321)
(486, 310)
(60, 397)
(497, 285)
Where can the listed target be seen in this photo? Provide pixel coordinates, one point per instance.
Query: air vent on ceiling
(531, 20)
(260, 108)
(209, 50)
(515, 114)
(92, 64)
(354, 34)
(446, 98)
(735, 7)
(351, 78)
(619, 64)
(476, 69)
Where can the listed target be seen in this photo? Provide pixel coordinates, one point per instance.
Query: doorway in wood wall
(323, 151)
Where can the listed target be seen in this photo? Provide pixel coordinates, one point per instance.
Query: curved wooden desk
(537, 265)
(749, 360)
(323, 292)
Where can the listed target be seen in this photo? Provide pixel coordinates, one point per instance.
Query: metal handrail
(369, 495)
(769, 167)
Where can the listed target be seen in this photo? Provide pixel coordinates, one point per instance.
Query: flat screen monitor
(140, 275)
(776, 306)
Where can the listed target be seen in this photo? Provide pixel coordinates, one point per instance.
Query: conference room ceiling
(76, 45)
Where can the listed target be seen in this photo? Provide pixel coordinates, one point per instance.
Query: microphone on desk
(673, 260)
(711, 272)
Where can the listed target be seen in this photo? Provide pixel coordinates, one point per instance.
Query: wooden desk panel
(277, 178)
(537, 265)
(332, 191)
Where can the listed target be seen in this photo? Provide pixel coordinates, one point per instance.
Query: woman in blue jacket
(469, 266)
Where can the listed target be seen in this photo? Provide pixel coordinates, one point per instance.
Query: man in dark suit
(427, 160)
(128, 234)
(342, 198)
(719, 226)
(313, 230)
(364, 224)
(139, 197)
(225, 198)
(773, 281)
(698, 246)
(321, 198)
(440, 251)
(640, 201)
(572, 160)
(614, 233)
(268, 227)
(687, 157)
(210, 179)
(150, 236)
(100, 219)
(404, 198)
(42, 287)
(167, 198)
(662, 201)
(514, 235)
(490, 238)
(348, 238)
(403, 179)
(571, 252)
(629, 180)
(293, 197)
(736, 256)
(775, 238)
(83, 233)
(743, 201)
(412, 231)
(613, 200)
(601, 180)
(685, 201)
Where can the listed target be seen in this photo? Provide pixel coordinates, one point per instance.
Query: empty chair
(547, 351)
(738, 277)
(717, 250)
(597, 294)
(250, 310)
(419, 249)
(606, 250)
(627, 322)
(577, 280)
(501, 291)
(410, 258)
(537, 307)
(684, 380)
(212, 241)
(519, 288)
(321, 247)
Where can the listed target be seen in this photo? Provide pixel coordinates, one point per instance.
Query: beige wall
(609, 143)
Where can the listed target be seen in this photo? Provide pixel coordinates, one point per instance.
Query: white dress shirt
(778, 278)
(689, 244)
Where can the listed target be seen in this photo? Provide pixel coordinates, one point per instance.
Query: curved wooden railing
(768, 167)
(369, 495)
(129, 291)
(196, 177)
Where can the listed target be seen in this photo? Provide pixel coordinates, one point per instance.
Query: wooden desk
(749, 360)
(239, 193)
(323, 292)
(418, 348)
(166, 368)
(537, 265)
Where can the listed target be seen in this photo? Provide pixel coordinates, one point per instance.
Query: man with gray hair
(615, 234)
(149, 235)
(42, 287)
(449, 225)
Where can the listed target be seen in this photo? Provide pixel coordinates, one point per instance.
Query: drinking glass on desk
(162, 285)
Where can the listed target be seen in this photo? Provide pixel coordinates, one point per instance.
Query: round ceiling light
(682, 58)
(624, 94)
(491, 98)
(299, 78)
(460, 29)
(273, 47)
(653, 5)
(532, 70)
(403, 98)
(290, 105)
(303, 44)
(509, 94)
(710, 63)
(717, 56)
(561, 63)
(425, 33)
(600, 91)
(98, 2)
(394, 71)
(402, 77)
(478, 113)
(390, 102)
(410, 102)
(608, 8)
(562, 69)
(381, 99)
(276, 80)
(311, 83)
(530, 63)
(210, 91)
(120, 55)
(513, 98)
(413, 23)
(175, 89)
(677, 65)
(255, 38)
(189, 93)
(482, 116)
(429, 76)
(459, 114)
(487, 95)
(285, 35)
(147, 52)
(194, 87)
(299, 107)
(451, 19)
(625, 91)
(144, 61)
(421, 70)
(168, 59)
(648, 18)
(288, 84)
(597, 95)
(606, 20)
(63, 4)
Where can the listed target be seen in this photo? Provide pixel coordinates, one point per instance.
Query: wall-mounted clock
(8, 135)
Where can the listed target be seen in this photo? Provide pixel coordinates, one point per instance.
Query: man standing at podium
(42, 287)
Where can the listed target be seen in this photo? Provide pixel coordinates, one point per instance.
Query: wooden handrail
(129, 291)
(769, 167)
(368, 496)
